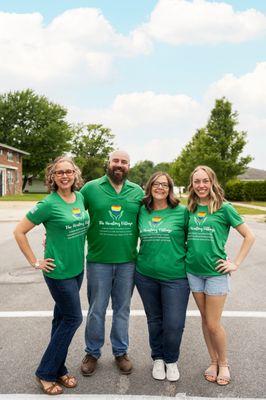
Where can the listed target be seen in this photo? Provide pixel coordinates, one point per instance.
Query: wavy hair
(49, 174)
(171, 198)
(216, 192)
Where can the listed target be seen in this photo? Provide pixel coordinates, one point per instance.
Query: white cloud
(246, 92)
(200, 22)
(78, 45)
(151, 126)
(157, 126)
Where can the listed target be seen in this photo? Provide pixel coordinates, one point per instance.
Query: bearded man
(113, 203)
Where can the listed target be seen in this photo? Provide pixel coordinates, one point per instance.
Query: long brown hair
(148, 199)
(216, 192)
(49, 174)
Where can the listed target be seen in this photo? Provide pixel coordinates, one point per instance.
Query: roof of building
(253, 174)
(14, 149)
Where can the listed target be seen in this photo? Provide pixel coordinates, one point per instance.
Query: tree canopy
(91, 146)
(34, 124)
(142, 171)
(219, 145)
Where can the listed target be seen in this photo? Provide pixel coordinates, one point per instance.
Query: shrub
(245, 190)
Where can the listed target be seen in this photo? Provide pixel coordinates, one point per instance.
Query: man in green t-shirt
(113, 204)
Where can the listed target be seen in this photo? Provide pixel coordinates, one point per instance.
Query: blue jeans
(67, 319)
(105, 281)
(165, 304)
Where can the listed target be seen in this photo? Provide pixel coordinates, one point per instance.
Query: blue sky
(150, 70)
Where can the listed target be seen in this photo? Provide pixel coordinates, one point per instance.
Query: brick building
(10, 170)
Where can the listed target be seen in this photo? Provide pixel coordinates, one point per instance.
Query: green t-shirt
(207, 236)
(113, 232)
(66, 226)
(162, 248)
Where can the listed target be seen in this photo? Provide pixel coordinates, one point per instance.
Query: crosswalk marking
(133, 313)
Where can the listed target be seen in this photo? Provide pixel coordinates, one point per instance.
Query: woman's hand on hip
(46, 265)
(226, 266)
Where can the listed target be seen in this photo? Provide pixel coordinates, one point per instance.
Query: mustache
(118, 169)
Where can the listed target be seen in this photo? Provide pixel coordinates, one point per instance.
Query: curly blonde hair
(49, 174)
(216, 192)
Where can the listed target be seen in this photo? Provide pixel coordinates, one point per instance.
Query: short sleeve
(40, 212)
(80, 196)
(232, 217)
(83, 192)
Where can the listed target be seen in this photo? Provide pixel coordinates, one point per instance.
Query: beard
(117, 174)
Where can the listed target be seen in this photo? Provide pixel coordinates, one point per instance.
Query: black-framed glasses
(160, 184)
(67, 172)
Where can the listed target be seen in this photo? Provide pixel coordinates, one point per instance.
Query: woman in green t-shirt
(207, 265)
(160, 273)
(65, 220)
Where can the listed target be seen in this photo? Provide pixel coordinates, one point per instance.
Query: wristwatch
(36, 264)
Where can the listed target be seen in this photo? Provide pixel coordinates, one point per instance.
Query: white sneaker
(172, 373)
(158, 370)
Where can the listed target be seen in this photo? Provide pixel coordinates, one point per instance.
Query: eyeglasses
(160, 184)
(67, 172)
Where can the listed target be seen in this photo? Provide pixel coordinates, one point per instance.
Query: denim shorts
(211, 285)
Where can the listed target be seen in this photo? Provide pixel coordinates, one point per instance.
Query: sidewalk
(14, 211)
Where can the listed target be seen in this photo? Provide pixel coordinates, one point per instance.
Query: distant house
(35, 185)
(253, 174)
(10, 169)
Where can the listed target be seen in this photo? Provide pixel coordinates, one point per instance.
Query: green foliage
(234, 190)
(32, 123)
(142, 171)
(218, 145)
(192, 155)
(91, 146)
(245, 190)
(163, 166)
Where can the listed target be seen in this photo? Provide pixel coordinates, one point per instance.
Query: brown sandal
(211, 376)
(66, 381)
(223, 380)
(50, 389)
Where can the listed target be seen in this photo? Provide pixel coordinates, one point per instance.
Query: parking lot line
(181, 396)
(133, 313)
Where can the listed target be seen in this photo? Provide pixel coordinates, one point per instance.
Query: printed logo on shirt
(34, 209)
(116, 212)
(155, 221)
(200, 217)
(76, 212)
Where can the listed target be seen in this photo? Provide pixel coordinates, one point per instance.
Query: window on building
(17, 176)
(1, 152)
(10, 177)
(17, 158)
(10, 156)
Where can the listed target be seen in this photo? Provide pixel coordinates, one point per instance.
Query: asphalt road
(23, 338)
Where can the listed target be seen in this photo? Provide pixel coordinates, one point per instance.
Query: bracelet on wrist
(36, 265)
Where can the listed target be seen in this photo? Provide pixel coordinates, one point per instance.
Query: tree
(219, 146)
(141, 172)
(164, 167)
(34, 124)
(191, 156)
(91, 146)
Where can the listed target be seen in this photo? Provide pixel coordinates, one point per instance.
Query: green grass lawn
(248, 211)
(40, 196)
(257, 203)
(24, 197)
